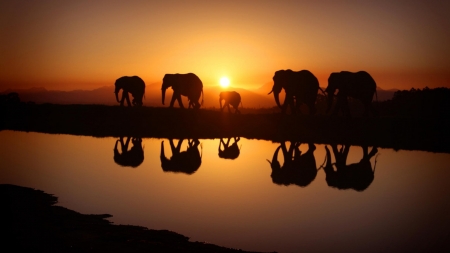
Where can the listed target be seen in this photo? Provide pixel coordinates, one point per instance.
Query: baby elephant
(230, 97)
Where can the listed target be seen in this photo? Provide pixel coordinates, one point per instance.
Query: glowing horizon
(85, 45)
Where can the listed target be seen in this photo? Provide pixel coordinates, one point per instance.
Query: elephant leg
(227, 105)
(180, 101)
(122, 99)
(122, 144)
(191, 104)
(126, 144)
(221, 143)
(127, 97)
(373, 152)
(175, 150)
(228, 142)
(172, 101)
(287, 101)
(292, 105)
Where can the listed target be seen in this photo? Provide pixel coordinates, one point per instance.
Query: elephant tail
(376, 95)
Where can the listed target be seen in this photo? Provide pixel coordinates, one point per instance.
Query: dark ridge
(32, 223)
(408, 133)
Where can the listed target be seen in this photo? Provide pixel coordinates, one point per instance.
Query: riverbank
(427, 134)
(31, 221)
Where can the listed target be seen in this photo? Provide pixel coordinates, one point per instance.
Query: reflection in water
(229, 152)
(133, 157)
(298, 168)
(234, 203)
(186, 161)
(357, 176)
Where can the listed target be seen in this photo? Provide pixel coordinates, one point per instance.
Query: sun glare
(224, 82)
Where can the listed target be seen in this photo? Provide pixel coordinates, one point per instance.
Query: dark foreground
(408, 133)
(31, 222)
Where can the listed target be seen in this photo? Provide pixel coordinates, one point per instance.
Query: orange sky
(82, 44)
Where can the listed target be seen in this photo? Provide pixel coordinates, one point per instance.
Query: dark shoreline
(399, 133)
(32, 222)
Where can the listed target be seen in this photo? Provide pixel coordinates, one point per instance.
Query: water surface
(235, 202)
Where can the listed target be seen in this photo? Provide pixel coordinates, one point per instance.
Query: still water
(234, 199)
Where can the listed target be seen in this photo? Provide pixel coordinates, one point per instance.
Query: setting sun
(224, 82)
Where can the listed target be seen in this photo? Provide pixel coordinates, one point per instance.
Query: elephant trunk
(117, 97)
(275, 164)
(163, 95)
(277, 98)
(220, 102)
(163, 156)
(328, 158)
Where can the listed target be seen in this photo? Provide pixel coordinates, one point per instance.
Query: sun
(224, 82)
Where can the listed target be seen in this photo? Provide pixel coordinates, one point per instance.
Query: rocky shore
(32, 222)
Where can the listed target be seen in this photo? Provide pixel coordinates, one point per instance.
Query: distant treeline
(423, 103)
(413, 103)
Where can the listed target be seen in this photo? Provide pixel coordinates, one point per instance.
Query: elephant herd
(300, 87)
(297, 169)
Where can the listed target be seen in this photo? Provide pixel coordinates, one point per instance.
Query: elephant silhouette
(229, 152)
(130, 84)
(298, 169)
(359, 85)
(186, 162)
(356, 176)
(231, 98)
(188, 85)
(131, 158)
(300, 87)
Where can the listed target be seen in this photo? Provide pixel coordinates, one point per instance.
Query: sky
(67, 45)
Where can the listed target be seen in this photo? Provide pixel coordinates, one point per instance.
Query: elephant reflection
(298, 168)
(229, 152)
(182, 161)
(356, 176)
(133, 157)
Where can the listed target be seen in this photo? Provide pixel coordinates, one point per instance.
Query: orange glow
(224, 82)
(85, 45)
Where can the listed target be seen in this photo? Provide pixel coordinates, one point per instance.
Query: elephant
(186, 162)
(133, 157)
(300, 87)
(298, 169)
(229, 152)
(359, 85)
(183, 85)
(356, 176)
(230, 97)
(130, 84)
